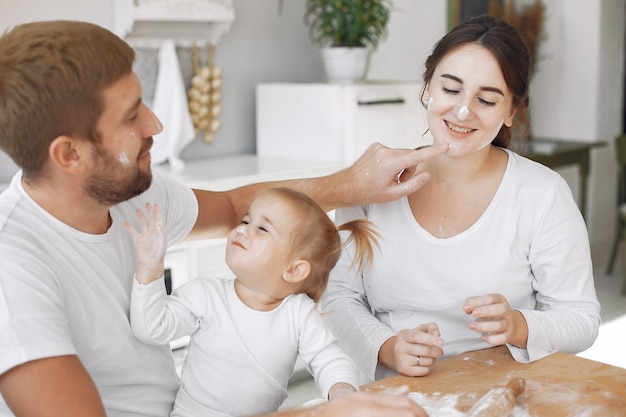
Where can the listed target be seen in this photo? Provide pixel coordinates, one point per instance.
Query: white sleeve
(157, 318)
(319, 350)
(346, 309)
(567, 317)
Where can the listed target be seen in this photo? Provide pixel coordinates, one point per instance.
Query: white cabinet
(335, 122)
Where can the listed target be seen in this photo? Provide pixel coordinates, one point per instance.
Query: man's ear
(67, 153)
(298, 271)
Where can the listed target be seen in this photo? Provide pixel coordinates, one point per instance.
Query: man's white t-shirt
(66, 292)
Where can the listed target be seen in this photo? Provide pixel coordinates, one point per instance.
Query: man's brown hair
(52, 75)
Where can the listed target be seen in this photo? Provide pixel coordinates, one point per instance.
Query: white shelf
(147, 23)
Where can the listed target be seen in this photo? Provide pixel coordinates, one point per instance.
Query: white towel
(171, 107)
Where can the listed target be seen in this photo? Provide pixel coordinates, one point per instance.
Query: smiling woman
(469, 85)
(474, 252)
(528, 19)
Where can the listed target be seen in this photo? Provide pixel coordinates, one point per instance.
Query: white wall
(414, 27)
(568, 57)
(576, 93)
(609, 110)
(13, 12)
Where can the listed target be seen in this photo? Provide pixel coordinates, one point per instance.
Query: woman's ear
(298, 271)
(66, 153)
(508, 122)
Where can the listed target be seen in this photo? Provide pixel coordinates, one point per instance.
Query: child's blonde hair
(316, 239)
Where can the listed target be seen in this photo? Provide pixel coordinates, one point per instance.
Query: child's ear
(298, 271)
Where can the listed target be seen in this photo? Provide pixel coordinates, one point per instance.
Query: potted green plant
(347, 31)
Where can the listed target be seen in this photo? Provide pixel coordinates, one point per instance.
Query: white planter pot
(345, 65)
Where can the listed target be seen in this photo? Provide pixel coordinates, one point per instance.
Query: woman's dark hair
(507, 46)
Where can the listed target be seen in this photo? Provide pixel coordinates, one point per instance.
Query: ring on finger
(417, 363)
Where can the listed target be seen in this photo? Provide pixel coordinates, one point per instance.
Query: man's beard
(113, 182)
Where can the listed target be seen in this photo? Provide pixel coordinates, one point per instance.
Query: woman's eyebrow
(452, 77)
(485, 88)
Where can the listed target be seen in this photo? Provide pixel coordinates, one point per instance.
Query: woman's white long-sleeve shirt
(530, 244)
(240, 359)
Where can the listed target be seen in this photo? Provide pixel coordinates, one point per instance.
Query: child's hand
(339, 390)
(150, 244)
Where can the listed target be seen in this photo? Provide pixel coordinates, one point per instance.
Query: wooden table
(556, 153)
(559, 385)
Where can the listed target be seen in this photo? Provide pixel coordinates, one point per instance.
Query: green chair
(620, 151)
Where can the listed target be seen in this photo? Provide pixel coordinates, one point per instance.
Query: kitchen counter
(559, 385)
(223, 173)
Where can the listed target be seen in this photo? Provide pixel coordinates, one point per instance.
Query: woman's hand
(498, 323)
(412, 351)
